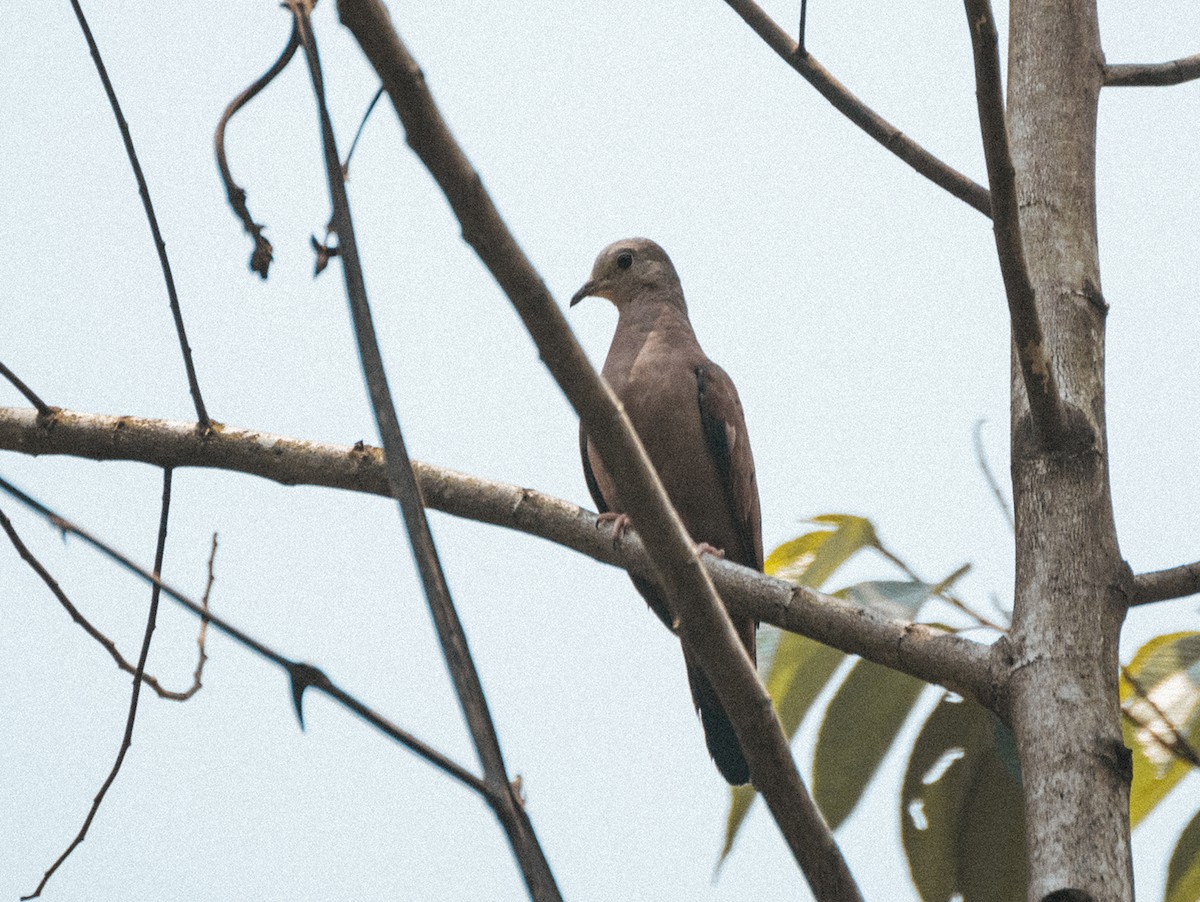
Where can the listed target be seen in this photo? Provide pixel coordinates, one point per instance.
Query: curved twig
(106, 643)
(260, 259)
(846, 103)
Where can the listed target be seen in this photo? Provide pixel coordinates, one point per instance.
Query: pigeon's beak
(588, 289)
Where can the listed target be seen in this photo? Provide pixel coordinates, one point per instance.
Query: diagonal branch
(506, 803)
(846, 103)
(1149, 75)
(705, 625)
(1164, 585)
(957, 663)
(159, 245)
(1040, 385)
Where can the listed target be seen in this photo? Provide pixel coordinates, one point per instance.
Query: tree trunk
(1072, 587)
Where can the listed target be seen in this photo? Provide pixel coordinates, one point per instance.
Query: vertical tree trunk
(1072, 586)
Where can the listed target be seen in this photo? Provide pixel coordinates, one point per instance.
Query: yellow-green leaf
(859, 727)
(962, 818)
(812, 558)
(1183, 873)
(799, 670)
(1166, 670)
(800, 667)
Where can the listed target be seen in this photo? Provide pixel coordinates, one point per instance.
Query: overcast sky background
(858, 308)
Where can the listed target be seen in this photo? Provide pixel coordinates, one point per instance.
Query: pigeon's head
(629, 270)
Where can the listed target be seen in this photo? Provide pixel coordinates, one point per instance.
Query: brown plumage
(688, 415)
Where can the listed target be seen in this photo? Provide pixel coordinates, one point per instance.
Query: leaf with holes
(962, 818)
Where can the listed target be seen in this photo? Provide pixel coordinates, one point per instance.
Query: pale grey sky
(858, 308)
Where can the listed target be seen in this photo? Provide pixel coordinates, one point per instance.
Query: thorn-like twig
(260, 259)
(1041, 387)
(325, 686)
(202, 421)
(850, 106)
(43, 409)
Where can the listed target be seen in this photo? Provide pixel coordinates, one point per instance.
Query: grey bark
(1072, 587)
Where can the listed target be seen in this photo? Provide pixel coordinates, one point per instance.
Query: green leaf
(1166, 670)
(896, 598)
(962, 817)
(859, 727)
(1183, 873)
(798, 672)
(800, 667)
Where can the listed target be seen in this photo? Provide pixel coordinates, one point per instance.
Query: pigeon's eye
(625, 259)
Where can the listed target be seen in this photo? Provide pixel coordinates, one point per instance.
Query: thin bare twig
(1177, 744)
(106, 643)
(1041, 386)
(302, 676)
(260, 258)
(1149, 75)
(705, 625)
(846, 103)
(989, 477)
(127, 739)
(1165, 585)
(507, 805)
(160, 246)
(358, 134)
(941, 589)
(43, 408)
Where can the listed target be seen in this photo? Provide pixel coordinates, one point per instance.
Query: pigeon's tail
(722, 742)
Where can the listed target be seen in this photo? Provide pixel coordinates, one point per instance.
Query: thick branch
(1038, 376)
(1150, 75)
(1163, 585)
(922, 651)
(704, 624)
(859, 113)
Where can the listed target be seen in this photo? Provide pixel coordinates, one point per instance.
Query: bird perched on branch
(689, 418)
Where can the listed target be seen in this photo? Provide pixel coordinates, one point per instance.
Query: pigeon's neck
(663, 318)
